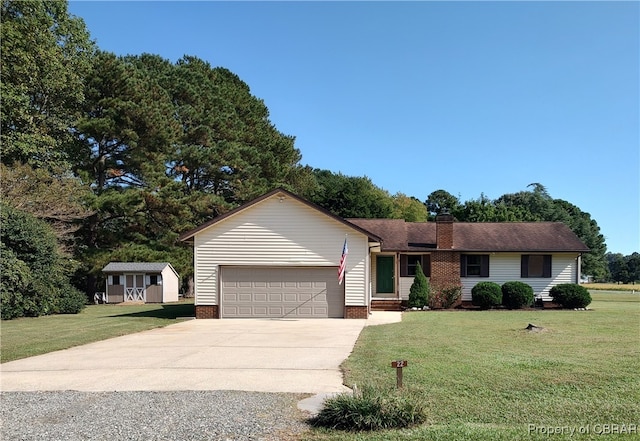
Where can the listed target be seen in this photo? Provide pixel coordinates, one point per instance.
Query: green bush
(516, 294)
(570, 295)
(486, 295)
(371, 408)
(420, 291)
(34, 279)
(71, 301)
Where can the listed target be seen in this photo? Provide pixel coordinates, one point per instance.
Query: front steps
(386, 305)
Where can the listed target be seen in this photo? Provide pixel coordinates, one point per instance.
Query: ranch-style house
(278, 257)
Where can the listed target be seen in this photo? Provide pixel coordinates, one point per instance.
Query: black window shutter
(426, 264)
(484, 265)
(463, 265)
(546, 271)
(404, 270)
(524, 266)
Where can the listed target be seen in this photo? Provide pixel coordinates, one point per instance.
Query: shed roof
(143, 267)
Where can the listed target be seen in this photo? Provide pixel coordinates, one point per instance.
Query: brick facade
(445, 269)
(207, 312)
(356, 312)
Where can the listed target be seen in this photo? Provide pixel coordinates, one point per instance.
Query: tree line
(119, 155)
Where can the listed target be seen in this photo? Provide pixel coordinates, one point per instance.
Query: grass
(479, 374)
(612, 286)
(26, 337)
(482, 376)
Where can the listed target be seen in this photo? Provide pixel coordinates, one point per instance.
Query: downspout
(579, 269)
(396, 275)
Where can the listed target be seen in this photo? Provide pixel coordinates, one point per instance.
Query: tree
(633, 267)
(167, 147)
(624, 269)
(127, 129)
(441, 200)
(617, 267)
(537, 205)
(420, 291)
(57, 198)
(351, 197)
(227, 146)
(45, 55)
(484, 209)
(35, 277)
(408, 208)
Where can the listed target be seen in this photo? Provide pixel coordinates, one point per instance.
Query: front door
(384, 274)
(134, 288)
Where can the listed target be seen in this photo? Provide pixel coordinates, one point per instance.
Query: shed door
(255, 292)
(134, 289)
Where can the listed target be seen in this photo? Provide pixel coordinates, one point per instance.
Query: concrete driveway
(242, 354)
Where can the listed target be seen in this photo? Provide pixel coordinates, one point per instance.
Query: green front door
(384, 274)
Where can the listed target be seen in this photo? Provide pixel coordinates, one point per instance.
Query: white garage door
(252, 292)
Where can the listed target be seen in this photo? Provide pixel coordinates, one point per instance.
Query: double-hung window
(409, 264)
(535, 265)
(474, 265)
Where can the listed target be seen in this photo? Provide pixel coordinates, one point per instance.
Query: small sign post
(399, 364)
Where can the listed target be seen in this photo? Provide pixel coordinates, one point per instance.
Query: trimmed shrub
(486, 295)
(371, 408)
(420, 291)
(516, 294)
(570, 295)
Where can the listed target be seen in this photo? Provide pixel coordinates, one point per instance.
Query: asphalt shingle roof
(149, 267)
(398, 235)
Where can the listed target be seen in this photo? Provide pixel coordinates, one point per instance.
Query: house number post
(399, 364)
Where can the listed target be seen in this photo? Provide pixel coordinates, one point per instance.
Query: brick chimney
(444, 231)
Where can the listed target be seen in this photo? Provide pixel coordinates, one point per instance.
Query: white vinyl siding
(170, 285)
(506, 268)
(274, 233)
(405, 287)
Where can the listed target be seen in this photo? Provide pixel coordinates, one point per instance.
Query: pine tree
(420, 290)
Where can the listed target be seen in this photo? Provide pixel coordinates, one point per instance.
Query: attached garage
(280, 292)
(277, 257)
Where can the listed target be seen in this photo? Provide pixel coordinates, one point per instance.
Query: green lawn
(479, 373)
(26, 337)
(482, 376)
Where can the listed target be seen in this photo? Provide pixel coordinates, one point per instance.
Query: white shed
(147, 282)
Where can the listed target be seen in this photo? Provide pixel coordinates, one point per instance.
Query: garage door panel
(281, 292)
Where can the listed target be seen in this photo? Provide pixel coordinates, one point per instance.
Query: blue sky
(469, 97)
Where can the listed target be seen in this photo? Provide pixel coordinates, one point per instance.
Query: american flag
(343, 262)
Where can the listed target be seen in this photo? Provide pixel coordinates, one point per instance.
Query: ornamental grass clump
(371, 408)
